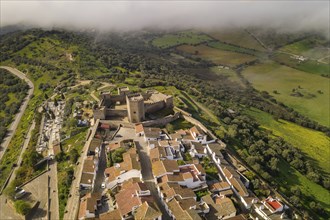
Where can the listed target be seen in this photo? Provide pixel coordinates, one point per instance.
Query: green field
(231, 74)
(237, 37)
(310, 66)
(311, 47)
(271, 76)
(219, 57)
(185, 37)
(228, 47)
(315, 144)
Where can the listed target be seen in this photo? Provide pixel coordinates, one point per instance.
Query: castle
(135, 106)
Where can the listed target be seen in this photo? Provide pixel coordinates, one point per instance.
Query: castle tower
(135, 108)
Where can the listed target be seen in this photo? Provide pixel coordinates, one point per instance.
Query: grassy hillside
(185, 37)
(310, 66)
(231, 74)
(237, 37)
(219, 57)
(308, 94)
(312, 47)
(313, 143)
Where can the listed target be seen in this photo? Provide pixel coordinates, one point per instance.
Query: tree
(74, 155)
(22, 207)
(117, 155)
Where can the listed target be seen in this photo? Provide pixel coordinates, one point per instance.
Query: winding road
(14, 124)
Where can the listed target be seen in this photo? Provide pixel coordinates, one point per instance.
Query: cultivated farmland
(238, 37)
(219, 57)
(185, 37)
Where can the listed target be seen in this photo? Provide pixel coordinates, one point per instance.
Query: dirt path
(12, 129)
(102, 87)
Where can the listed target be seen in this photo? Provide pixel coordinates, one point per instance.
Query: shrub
(22, 207)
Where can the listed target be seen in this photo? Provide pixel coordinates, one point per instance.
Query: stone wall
(153, 107)
(116, 113)
(162, 121)
(99, 113)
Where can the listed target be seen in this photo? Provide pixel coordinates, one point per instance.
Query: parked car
(20, 194)
(103, 185)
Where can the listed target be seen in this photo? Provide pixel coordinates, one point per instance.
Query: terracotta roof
(227, 192)
(114, 214)
(105, 126)
(89, 166)
(200, 168)
(172, 178)
(181, 131)
(87, 178)
(161, 167)
(157, 153)
(113, 146)
(130, 161)
(219, 207)
(179, 208)
(176, 136)
(147, 211)
(272, 204)
(152, 132)
(177, 190)
(230, 172)
(139, 128)
(219, 186)
(163, 143)
(239, 186)
(88, 202)
(127, 198)
(154, 143)
(197, 130)
(94, 144)
(198, 147)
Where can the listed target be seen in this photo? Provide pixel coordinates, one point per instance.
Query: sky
(136, 15)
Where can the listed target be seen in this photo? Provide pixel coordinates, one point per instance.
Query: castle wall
(116, 113)
(169, 102)
(118, 98)
(99, 113)
(153, 107)
(162, 121)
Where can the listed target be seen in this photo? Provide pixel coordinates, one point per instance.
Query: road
(13, 126)
(147, 175)
(10, 212)
(72, 206)
(53, 191)
(25, 145)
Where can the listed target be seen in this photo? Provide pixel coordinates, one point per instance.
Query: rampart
(162, 121)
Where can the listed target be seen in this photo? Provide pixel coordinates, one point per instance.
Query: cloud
(135, 15)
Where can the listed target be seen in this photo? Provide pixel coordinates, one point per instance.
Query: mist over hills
(164, 15)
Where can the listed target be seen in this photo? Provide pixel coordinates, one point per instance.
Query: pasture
(310, 66)
(219, 57)
(184, 37)
(238, 37)
(306, 93)
(231, 74)
(313, 143)
(312, 48)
